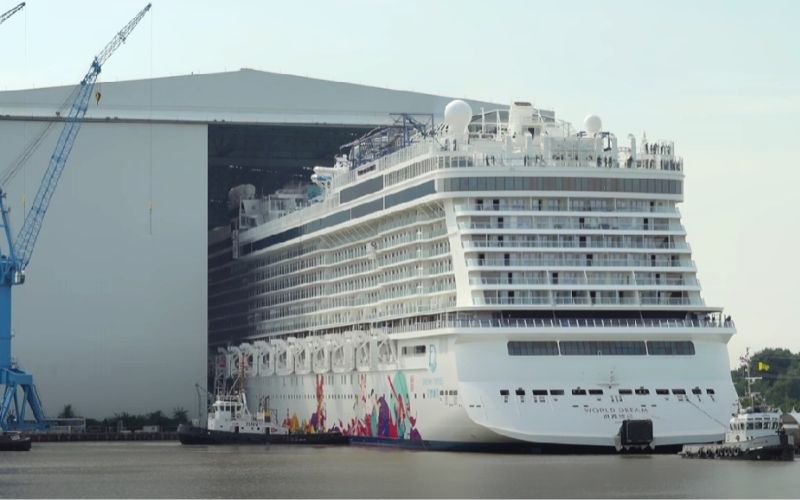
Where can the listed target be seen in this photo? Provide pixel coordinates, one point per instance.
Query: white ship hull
(452, 399)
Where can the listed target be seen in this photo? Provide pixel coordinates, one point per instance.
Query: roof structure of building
(244, 96)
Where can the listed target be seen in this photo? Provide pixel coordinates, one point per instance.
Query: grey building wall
(112, 316)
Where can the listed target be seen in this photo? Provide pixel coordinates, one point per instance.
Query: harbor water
(167, 469)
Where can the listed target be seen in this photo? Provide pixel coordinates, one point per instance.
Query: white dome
(592, 124)
(457, 115)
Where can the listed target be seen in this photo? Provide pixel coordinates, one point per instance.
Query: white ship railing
(516, 262)
(558, 323)
(571, 244)
(489, 207)
(605, 227)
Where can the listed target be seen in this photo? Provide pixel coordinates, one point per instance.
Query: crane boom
(12, 265)
(28, 233)
(5, 15)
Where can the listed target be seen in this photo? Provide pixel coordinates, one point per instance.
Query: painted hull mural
(387, 416)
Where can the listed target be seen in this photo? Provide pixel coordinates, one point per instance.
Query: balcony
(571, 226)
(517, 262)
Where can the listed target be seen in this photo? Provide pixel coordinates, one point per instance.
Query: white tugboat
(230, 422)
(754, 433)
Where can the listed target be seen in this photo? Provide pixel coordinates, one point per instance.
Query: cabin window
(504, 392)
(596, 392)
(670, 348)
(697, 391)
(679, 391)
(530, 348)
(578, 392)
(749, 426)
(556, 392)
(641, 391)
(625, 392)
(662, 392)
(520, 392)
(710, 391)
(539, 392)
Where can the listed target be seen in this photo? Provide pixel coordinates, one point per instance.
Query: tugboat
(755, 433)
(230, 422)
(14, 441)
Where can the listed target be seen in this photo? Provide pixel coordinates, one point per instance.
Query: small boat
(14, 441)
(230, 422)
(754, 434)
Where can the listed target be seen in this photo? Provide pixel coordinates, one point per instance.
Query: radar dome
(592, 124)
(457, 115)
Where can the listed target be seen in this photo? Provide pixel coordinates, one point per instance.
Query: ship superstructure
(498, 280)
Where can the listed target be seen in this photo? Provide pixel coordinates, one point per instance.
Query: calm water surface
(167, 469)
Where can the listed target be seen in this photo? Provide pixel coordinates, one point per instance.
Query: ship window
(750, 426)
(530, 348)
(504, 392)
(539, 392)
(624, 392)
(520, 392)
(596, 392)
(670, 348)
(710, 391)
(578, 392)
(641, 391)
(556, 392)
(679, 391)
(662, 392)
(608, 348)
(697, 390)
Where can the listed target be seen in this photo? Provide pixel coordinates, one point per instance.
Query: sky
(720, 78)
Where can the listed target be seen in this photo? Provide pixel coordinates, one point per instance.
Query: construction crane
(17, 252)
(5, 15)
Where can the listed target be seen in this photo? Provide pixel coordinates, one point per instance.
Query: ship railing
(572, 244)
(559, 323)
(517, 262)
(605, 227)
(468, 156)
(489, 207)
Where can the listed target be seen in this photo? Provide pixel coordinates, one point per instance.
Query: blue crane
(16, 255)
(5, 15)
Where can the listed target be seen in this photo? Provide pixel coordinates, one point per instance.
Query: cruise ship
(498, 280)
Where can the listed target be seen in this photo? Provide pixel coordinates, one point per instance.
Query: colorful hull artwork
(386, 416)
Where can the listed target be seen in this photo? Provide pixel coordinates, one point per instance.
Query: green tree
(67, 412)
(180, 415)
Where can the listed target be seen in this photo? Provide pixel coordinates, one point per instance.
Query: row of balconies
(621, 226)
(350, 317)
(572, 207)
(313, 305)
(356, 297)
(629, 281)
(574, 242)
(569, 261)
(585, 300)
(348, 236)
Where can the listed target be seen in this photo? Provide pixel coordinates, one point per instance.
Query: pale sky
(720, 78)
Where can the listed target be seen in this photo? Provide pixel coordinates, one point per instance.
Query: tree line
(130, 421)
(778, 384)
